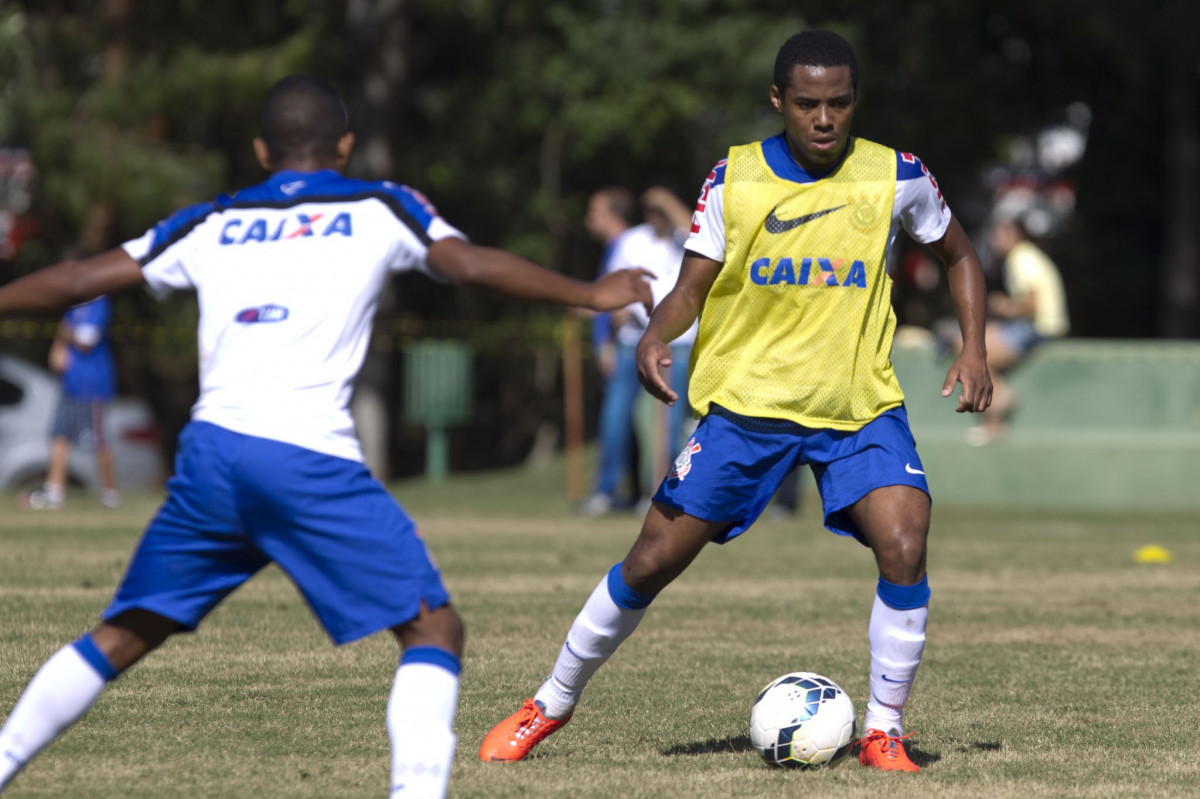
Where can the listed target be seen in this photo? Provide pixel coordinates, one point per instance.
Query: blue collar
(785, 166)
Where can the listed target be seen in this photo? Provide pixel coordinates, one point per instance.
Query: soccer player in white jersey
(287, 275)
(791, 365)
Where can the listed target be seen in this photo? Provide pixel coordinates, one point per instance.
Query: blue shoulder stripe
(717, 176)
(908, 166)
(178, 225)
(288, 189)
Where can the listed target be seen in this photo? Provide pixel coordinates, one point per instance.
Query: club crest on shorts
(683, 464)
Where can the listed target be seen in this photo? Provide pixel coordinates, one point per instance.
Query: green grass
(1056, 665)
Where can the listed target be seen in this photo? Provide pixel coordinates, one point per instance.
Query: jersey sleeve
(162, 251)
(920, 206)
(422, 225)
(707, 235)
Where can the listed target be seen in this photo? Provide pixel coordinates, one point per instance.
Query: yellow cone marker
(1151, 553)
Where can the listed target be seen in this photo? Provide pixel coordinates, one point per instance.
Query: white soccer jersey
(641, 247)
(288, 274)
(919, 206)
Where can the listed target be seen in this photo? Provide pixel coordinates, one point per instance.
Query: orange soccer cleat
(514, 738)
(879, 750)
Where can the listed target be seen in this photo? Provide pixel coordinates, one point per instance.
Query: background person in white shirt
(655, 245)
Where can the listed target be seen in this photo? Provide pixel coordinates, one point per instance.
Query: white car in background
(28, 397)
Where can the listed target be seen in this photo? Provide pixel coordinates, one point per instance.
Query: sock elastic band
(904, 597)
(87, 649)
(433, 655)
(626, 597)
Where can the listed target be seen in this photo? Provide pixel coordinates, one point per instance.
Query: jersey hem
(740, 415)
(349, 453)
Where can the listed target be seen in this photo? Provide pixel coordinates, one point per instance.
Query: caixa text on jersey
(809, 272)
(297, 226)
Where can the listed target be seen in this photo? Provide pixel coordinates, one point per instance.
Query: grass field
(1056, 665)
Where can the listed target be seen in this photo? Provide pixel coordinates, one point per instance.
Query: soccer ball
(802, 720)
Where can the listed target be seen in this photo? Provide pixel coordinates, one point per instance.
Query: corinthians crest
(683, 464)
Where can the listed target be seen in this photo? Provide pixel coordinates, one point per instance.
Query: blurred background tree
(507, 114)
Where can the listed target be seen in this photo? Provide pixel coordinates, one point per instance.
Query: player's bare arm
(670, 319)
(970, 303)
(469, 264)
(71, 282)
(59, 352)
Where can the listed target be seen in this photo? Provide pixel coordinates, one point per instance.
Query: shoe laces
(530, 721)
(889, 746)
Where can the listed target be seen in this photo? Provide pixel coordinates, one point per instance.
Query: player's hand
(970, 369)
(622, 287)
(652, 357)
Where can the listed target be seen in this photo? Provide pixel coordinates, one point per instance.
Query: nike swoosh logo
(776, 225)
(908, 468)
(889, 679)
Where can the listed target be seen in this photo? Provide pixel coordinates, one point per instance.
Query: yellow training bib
(798, 324)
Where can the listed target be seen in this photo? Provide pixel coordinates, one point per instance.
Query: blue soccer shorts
(80, 421)
(733, 464)
(238, 502)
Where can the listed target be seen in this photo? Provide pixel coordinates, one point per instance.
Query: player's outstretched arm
(71, 282)
(673, 316)
(970, 303)
(469, 264)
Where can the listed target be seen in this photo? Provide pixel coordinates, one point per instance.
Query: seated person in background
(1032, 308)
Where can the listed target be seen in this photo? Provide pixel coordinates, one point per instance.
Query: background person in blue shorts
(287, 274)
(82, 355)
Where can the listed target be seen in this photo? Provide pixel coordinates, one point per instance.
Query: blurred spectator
(610, 214)
(17, 176)
(657, 245)
(81, 353)
(1032, 308)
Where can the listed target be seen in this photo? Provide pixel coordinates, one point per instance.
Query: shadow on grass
(713, 746)
(923, 758)
(919, 756)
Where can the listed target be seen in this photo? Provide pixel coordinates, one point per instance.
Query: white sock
(596, 633)
(420, 722)
(57, 696)
(897, 639)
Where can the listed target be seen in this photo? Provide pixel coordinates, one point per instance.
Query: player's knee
(650, 568)
(453, 629)
(128, 637)
(901, 555)
(441, 627)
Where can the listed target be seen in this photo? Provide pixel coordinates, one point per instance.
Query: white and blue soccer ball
(802, 720)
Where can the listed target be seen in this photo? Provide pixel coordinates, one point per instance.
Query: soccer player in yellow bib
(786, 268)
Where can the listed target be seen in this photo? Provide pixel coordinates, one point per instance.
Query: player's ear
(776, 99)
(345, 146)
(262, 153)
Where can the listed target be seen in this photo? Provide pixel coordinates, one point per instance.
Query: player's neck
(303, 165)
